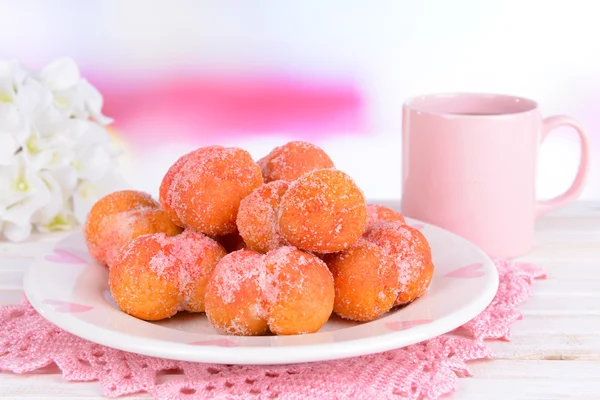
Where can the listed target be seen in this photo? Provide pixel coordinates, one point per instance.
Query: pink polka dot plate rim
(70, 290)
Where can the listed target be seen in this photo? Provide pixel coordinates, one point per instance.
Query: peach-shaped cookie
(286, 290)
(119, 229)
(290, 161)
(299, 291)
(257, 217)
(377, 212)
(234, 294)
(366, 281)
(155, 276)
(410, 253)
(323, 211)
(207, 190)
(144, 278)
(119, 217)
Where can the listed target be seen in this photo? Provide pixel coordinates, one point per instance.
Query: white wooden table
(554, 352)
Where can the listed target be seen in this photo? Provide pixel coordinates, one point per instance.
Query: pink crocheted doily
(426, 370)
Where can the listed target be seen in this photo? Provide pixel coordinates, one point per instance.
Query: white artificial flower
(66, 178)
(82, 101)
(22, 192)
(32, 97)
(60, 74)
(14, 129)
(56, 157)
(92, 162)
(48, 152)
(56, 202)
(86, 133)
(93, 102)
(93, 155)
(38, 105)
(62, 221)
(12, 74)
(72, 102)
(73, 94)
(55, 215)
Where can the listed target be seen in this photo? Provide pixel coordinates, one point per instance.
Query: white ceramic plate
(71, 291)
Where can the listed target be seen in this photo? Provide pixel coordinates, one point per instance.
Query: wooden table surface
(554, 352)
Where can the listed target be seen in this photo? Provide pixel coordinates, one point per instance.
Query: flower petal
(8, 148)
(37, 197)
(26, 194)
(13, 70)
(62, 221)
(33, 98)
(93, 163)
(60, 74)
(48, 152)
(12, 74)
(55, 202)
(66, 177)
(15, 232)
(13, 123)
(94, 102)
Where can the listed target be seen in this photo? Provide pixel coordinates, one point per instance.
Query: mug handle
(573, 192)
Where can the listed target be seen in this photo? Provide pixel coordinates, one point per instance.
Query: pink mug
(469, 166)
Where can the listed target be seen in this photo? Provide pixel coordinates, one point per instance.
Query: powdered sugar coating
(366, 281)
(377, 212)
(292, 160)
(165, 190)
(142, 279)
(299, 291)
(323, 211)
(198, 255)
(95, 229)
(410, 253)
(234, 294)
(257, 217)
(120, 228)
(154, 276)
(165, 265)
(207, 191)
(286, 290)
(280, 264)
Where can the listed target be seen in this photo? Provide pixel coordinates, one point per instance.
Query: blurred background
(177, 75)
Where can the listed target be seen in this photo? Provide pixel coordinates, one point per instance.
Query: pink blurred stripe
(203, 108)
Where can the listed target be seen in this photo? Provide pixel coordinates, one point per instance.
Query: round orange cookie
(323, 211)
(257, 217)
(121, 228)
(292, 160)
(366, 281)
(287, 291)
(155, 276)
(234, 294)
(410, 253)
(377, 212)
(119, 217)
(206, 192)
(143, 281)
(299, 291)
